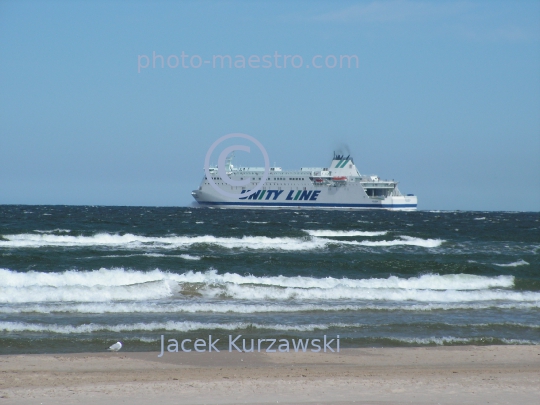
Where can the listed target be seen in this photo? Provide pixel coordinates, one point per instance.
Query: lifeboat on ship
(339, 178)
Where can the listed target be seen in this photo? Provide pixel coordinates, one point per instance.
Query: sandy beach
(438, 375)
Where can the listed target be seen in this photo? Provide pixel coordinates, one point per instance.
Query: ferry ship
(338, 186)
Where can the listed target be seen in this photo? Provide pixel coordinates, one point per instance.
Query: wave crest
(131, 241)
(130, 285)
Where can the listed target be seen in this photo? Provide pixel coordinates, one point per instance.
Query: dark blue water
(76, 279)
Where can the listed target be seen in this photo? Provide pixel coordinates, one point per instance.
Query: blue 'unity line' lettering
(274, 195)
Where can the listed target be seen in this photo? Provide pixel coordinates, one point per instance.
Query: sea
(80, 278)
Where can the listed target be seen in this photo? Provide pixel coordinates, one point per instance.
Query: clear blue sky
(445, 98)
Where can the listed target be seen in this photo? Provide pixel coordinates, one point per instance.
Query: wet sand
(437, 375)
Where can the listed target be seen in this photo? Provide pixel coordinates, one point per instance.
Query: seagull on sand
(114, 348)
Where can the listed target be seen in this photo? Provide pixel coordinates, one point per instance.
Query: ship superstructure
(338, 186)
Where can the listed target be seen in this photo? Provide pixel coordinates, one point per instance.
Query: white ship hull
(340, 186)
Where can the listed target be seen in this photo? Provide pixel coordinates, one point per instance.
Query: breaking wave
(137, 292)
(404, 240)
(372, 294)
(184, 326)
(514, 264)
(122, 277)
(245, 308)
(57, 230)
(118, 284)
(451, 340)
(131, 241)
(190, 326)
(344, 233)
(182, 256)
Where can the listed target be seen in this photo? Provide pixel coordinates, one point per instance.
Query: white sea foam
(343, 233)
(427, 281)
(190, 257)
(182, 256)
(189, 326)
(520, 342)
(131, 241)
(137, 292)
(433, 340)
(448, 340)
(404, 240)
(184, 326)
(520, 262)
(372, 294)
(120, 284)
(120, 276)
(480, 219)
(73, 278)
(54, 230)
(224, 306)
